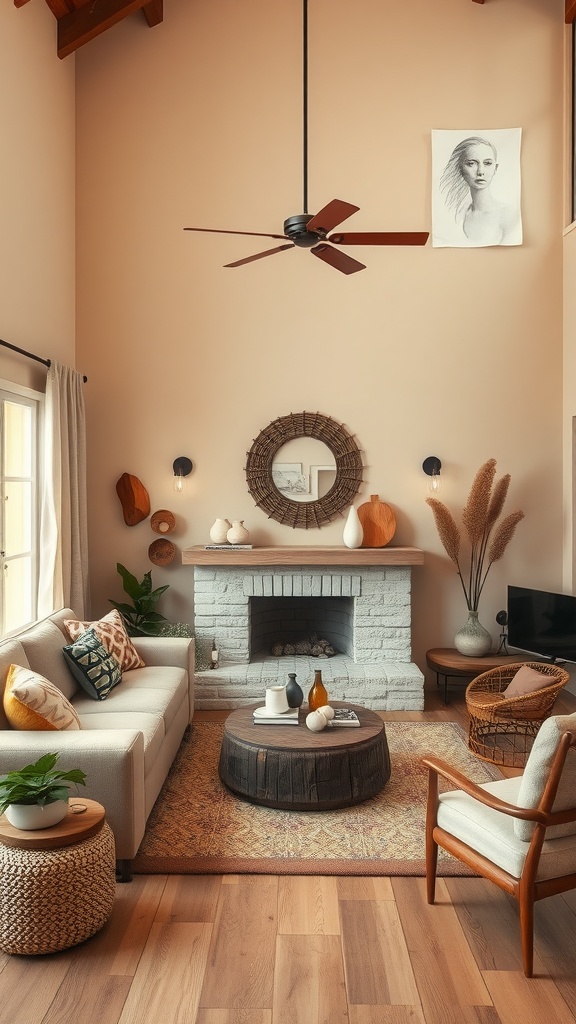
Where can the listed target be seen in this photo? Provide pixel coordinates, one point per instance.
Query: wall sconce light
(432, 467)
(181, 467)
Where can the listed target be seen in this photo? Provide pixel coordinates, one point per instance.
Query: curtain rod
(30, 355)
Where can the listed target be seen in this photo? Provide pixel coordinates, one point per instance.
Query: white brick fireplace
(359, 600)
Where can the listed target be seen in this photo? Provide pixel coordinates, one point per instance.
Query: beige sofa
(127, 742)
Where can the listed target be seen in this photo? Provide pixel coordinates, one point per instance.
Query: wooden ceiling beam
(154, 12)
(79, 27)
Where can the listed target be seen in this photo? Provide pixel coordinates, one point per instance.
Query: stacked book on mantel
(262, 716)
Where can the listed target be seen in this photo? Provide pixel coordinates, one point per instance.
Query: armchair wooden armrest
(438, 767)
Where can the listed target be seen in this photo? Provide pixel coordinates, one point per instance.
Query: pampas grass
(487, 538)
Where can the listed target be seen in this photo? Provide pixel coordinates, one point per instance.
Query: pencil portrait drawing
(476, 188)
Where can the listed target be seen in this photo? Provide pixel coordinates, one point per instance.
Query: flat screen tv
(542, 623)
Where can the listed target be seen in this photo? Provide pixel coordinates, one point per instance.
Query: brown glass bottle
(318, 695)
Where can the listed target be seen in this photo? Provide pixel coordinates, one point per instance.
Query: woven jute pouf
(53, 899)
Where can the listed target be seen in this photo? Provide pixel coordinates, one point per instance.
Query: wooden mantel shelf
(290, 555)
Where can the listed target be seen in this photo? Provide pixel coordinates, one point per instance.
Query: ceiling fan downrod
(305, 102)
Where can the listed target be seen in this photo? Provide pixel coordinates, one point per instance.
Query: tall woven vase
(472, 639)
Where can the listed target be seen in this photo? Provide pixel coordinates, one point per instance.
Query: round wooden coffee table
(292, 768)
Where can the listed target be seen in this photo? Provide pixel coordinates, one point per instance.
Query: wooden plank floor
(260, 949)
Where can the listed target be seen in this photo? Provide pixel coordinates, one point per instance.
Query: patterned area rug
(198, 826)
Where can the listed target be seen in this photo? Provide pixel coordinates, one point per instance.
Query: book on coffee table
(345, 717)
(262, 716)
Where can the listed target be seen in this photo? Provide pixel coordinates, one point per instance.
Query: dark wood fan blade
(380, 238)
(340, 260)
(331, 215)
(260, 255)
(221, 231)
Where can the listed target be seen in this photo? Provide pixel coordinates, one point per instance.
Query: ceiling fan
(311, 231)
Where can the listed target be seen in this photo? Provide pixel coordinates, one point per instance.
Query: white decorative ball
(315, 721)
(327, 711)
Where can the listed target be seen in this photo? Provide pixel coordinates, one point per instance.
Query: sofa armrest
(166, 650)
(169, 650)
(113, 760)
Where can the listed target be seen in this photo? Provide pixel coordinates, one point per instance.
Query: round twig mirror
(304, 513)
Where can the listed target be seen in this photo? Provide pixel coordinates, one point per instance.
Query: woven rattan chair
(502, 729)
(519, 833)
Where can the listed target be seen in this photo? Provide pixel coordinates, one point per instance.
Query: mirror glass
(304, 469)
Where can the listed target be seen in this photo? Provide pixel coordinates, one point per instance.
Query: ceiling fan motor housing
(295, 230)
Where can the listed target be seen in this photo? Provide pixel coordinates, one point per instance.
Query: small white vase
(353, 534)
(238, 534)
(30, 817)
(219, 531)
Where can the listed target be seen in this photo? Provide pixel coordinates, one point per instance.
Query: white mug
(276, 700)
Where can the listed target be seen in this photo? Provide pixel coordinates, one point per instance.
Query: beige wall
(456, 353)
(569, 401)
(37, 282)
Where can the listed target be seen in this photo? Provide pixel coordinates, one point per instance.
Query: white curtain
(63, 569)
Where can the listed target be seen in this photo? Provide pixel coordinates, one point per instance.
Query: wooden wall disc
(133, 498)
(378, 522)
(163, 521)
(161, 551)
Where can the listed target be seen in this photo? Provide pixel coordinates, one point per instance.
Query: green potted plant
(140, 617)
(36, 796)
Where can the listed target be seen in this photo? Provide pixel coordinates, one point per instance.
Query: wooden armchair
(519, 833)
(502, 728)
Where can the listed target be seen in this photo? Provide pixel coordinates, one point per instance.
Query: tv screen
(542, 623)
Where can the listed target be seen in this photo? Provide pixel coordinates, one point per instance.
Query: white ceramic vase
(472, 640)
(219, 531)
(30, 817)
(238, 534)
(353, 534)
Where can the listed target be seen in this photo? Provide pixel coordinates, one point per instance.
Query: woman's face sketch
(478, 166)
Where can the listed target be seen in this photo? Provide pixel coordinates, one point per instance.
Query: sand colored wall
(569, 402)
(456, 353)
(37, 299)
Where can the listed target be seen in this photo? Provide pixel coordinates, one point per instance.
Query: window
(573, 122)
(19, 506)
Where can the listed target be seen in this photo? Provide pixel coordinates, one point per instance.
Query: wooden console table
(447, 663)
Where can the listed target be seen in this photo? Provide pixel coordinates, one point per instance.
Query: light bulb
(435, 483)
(178, 483)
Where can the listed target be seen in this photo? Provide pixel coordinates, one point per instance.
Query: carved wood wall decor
(349, 469)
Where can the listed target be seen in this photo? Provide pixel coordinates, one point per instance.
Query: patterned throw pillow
(32, 702)
(111, 632)
(92, 666)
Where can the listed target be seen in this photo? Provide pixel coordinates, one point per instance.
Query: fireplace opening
(293, 620)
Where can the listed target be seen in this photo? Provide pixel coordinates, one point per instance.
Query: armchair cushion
(526, 680)
(536, 774)
(492, 834)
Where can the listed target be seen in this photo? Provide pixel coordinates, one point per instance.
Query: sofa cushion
(112, 634)
(92, 666)
(43, 646)
(32, 702)
(159, 691)
(151, 727)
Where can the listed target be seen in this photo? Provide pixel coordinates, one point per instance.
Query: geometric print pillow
(112, 634)
(92, 666)
(32, 702)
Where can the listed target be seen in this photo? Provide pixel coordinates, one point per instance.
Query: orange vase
(318, 695)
